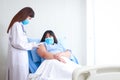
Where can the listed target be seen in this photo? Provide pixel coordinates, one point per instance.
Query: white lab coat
(18, 68)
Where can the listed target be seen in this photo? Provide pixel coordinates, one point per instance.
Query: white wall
(90, 38)
(105, 32)
(67, 18)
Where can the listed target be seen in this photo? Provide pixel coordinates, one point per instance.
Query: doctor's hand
(36, 45)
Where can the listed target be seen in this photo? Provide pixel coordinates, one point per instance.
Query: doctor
(18, 45)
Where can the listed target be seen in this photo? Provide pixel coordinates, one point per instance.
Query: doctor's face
(26, 21)
(29, 18)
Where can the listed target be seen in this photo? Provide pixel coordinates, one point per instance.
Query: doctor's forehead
(29, 17)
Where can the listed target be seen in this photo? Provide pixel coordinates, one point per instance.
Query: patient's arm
(47, 55)
(65, 54)
(44, 53)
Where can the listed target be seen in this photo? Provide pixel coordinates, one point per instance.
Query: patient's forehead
(48, 35)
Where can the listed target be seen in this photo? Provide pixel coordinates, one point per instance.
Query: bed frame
(97, 73)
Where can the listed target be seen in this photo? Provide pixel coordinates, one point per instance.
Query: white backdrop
(103, 32)
(67, 18)
(107, 31)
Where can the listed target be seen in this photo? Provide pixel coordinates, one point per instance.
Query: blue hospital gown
(56, 48)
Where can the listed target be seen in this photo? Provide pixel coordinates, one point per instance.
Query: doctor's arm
(18, 39)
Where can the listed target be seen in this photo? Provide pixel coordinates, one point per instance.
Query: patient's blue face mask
(49, 40)
(25, 22)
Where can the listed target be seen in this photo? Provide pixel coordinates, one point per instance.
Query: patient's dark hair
(51, 33)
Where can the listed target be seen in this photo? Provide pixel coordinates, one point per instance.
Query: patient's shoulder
(42, 45)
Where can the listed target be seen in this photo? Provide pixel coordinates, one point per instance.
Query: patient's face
(48, 35)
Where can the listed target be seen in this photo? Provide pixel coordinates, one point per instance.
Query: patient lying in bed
(56, 60)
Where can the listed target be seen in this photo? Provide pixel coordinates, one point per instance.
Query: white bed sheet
(54, 70)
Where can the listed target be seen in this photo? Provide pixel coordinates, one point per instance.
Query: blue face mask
(49, 40)
(25, 22)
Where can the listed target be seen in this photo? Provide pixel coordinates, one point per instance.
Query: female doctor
(18, 45)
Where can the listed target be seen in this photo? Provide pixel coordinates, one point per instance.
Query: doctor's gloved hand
(35, 45)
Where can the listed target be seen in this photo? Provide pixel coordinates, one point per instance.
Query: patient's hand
(65, 54)
(58, 57)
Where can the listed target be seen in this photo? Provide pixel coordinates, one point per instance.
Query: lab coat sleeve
(18, 38)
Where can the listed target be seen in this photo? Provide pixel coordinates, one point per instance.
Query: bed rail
(97, 73)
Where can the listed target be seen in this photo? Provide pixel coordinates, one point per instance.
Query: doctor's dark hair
(51, 33)
(21, 15)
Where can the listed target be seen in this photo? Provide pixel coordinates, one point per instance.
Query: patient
(56, 64)
(51, 49)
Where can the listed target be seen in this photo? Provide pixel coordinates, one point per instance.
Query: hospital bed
(82, 73)
(35, 61)
(97, 73)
